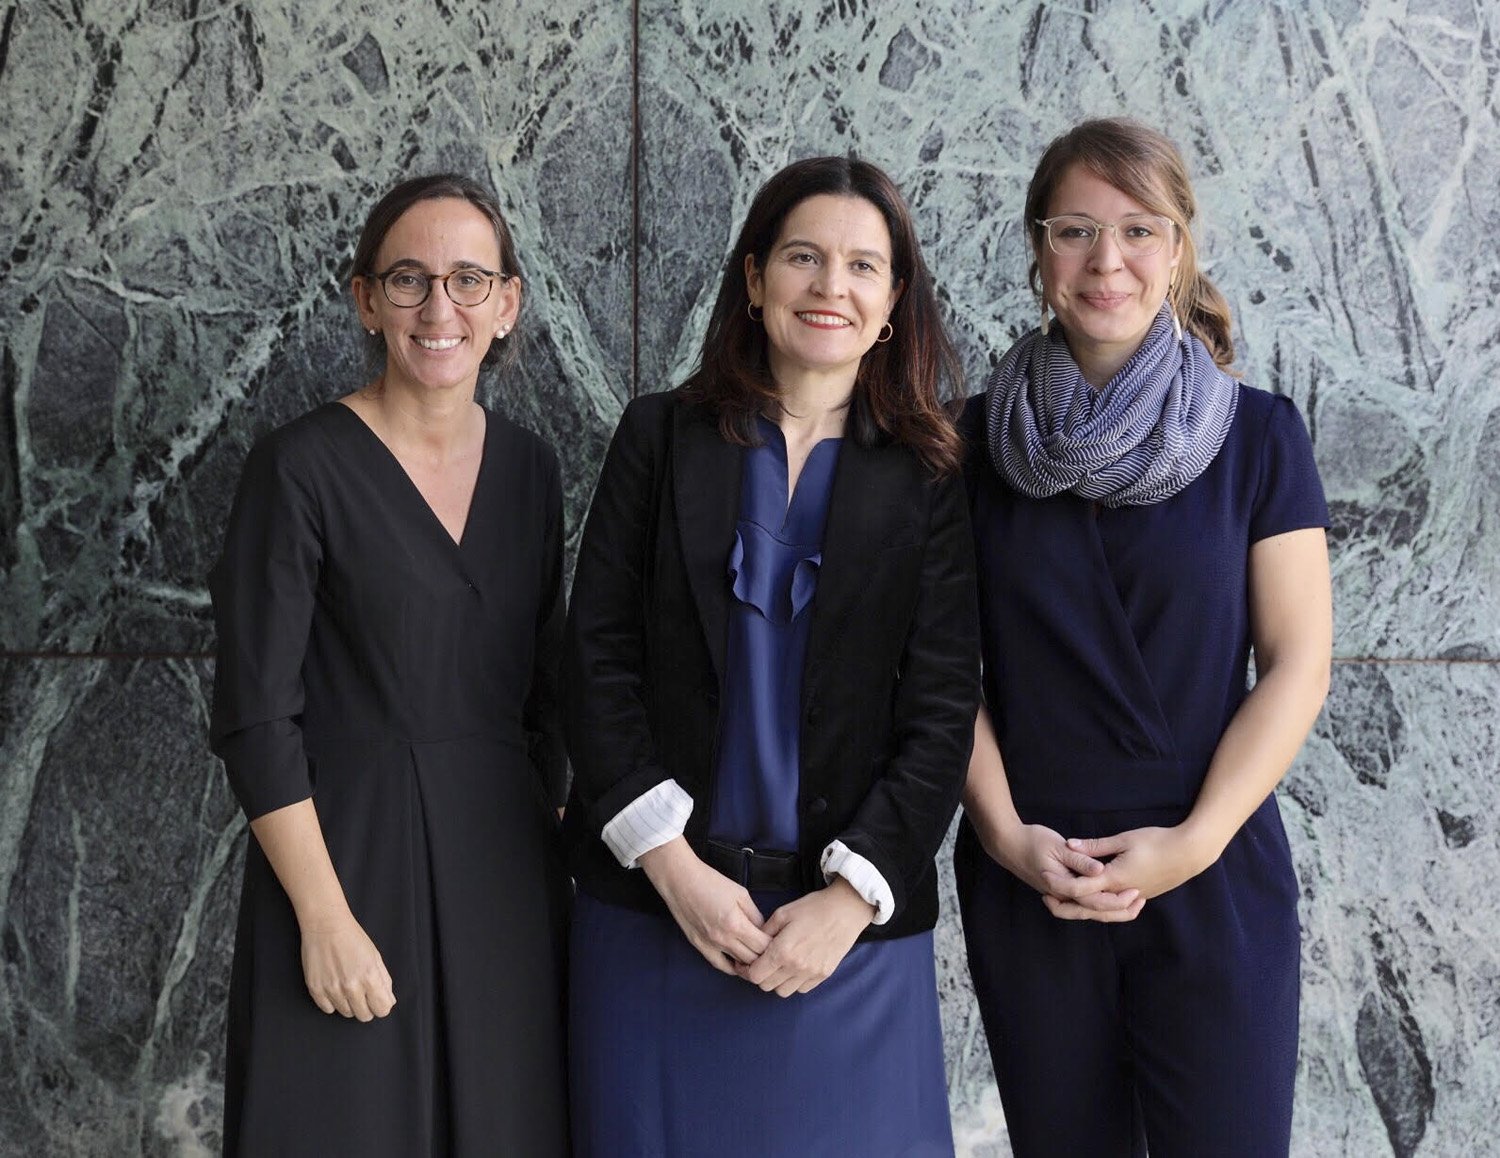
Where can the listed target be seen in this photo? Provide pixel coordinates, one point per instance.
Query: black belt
(755, 869)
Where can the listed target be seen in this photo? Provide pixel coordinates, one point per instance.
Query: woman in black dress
(389, 606)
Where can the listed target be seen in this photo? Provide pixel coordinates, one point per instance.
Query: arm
(342, 968)
(1291, 625)
(263, 594)
(616, 765)
(1070, 881)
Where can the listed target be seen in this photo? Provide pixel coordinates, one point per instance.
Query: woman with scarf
(1143, 523)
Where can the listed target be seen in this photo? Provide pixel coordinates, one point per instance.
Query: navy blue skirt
(672, 1059)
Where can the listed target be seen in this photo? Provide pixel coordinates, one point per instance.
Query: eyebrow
(413, 263)
(795, 242)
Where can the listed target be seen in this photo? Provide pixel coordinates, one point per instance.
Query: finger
(1071, 911)
(1099, 845)
(1080, 862)
(752, 912)
(321, 1000)
(715, 957)
(776, 922)
(1107, 902)
(360, 1005)
(1065, 886)
(382, 1001)
(796, 984)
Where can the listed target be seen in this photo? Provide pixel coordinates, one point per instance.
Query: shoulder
(1262, 413)
(299, 447)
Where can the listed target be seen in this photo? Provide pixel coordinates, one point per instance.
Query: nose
(1106, 253)
(829, 281)
(438, 304)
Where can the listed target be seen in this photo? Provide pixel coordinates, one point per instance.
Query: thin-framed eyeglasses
(409, 288)
(1138, 234)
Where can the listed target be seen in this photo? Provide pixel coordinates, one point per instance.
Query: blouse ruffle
(777, 578)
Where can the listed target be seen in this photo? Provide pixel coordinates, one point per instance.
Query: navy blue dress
(673, 1059)
(1116, 646)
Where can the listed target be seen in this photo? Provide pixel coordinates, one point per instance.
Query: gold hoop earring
(750, 308)
(889, 331)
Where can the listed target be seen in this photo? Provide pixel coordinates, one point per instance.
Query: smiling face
(826, 289)
(438, 345)
(1106, 300)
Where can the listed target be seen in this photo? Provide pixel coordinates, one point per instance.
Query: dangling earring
(1046, 319)
(888, 330)
(750, 308)
(1176, 324)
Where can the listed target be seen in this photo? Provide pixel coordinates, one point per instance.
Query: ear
(364, 301)
(753, 280)
(896, 292)
(509, 293)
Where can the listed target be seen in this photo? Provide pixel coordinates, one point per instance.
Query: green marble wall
(180, 184)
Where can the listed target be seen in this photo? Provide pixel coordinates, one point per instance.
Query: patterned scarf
(1150, 432)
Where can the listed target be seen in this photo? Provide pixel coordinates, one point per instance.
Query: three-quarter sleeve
(1290, 494)
(263, 590)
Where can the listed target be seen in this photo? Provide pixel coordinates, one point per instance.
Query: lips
(1104, 301)
(437, 344)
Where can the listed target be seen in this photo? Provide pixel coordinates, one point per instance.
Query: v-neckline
(416, 491)
(788, 488)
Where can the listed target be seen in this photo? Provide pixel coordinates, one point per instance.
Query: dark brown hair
(1146, 165)
(438, 187)
(897, 388)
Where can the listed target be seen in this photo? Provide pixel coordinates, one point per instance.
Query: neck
(1097, 364)
(813, 405)
(435, 422)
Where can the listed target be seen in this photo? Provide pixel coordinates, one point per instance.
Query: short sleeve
(1290, 494)
(263, 588)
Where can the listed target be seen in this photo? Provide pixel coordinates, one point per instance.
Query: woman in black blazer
(771, 676)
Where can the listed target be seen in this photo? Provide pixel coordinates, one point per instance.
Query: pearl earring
(371, 332)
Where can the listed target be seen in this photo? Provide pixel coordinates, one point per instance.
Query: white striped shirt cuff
(650, 820)
(839, 860)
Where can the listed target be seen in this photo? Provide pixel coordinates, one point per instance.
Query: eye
(1073, 230)
(407, 280)
(1142, 229)
(865, 267)
(469, 280)
(801, 257)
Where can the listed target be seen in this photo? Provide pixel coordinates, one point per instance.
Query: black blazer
(891, 683)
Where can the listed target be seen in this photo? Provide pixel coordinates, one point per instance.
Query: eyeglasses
(409, 288)
(1138, 235)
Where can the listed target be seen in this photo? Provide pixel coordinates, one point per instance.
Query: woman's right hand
(717, 916)
(1071, 882)
(344, 971)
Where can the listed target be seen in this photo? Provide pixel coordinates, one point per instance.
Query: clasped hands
(794, 950)
(1106, 878)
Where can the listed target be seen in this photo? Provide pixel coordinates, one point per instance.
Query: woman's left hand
(1151, 860)
(809, 938)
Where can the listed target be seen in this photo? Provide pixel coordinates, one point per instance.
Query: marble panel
(1345, 158)
(117, 903)
(175, 230)
(1390, 811)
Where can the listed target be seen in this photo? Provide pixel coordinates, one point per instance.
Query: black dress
(406, 683)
